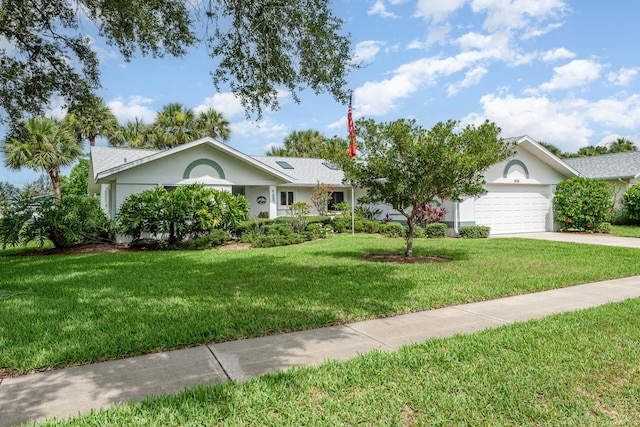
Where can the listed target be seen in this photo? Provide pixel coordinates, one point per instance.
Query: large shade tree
(408, 166)
(257, 47)
(41, 144)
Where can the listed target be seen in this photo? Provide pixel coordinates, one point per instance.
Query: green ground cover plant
(573, 369)
(74, 309)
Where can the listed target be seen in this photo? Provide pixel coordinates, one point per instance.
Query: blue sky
(565, 72)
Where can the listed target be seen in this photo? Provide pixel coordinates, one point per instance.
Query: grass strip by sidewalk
(580, 368)
(625, 230)
(78, 309)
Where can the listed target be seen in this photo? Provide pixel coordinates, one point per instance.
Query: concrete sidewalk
(66, 392)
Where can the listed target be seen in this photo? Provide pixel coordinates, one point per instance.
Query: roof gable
(106, 162)
(544, 155)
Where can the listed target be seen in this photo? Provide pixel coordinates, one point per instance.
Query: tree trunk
(54, 174)
(409, 250)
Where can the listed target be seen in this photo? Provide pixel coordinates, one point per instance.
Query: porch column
(273, 202)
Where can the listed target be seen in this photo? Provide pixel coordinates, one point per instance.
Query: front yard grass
(625, 230)
(572, 369)
(62, 310)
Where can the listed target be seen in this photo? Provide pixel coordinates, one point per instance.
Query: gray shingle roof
(105, 158)
(305, 171)
(608, 166)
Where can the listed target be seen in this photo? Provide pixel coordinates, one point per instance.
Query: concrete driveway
(587, 238)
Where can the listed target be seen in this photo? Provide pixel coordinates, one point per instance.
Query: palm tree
(41, 143)
(212, 123)
(90, 119)
(305, 143)
(174, 125)
(133, 134)
(622, 145)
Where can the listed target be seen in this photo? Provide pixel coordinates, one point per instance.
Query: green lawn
(625, 230)
(63, 310)
(573, 369)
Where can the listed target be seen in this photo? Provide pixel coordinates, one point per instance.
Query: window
(336, 197)
(331, 166)
(286, 198)
(284, 165)
(238, 190)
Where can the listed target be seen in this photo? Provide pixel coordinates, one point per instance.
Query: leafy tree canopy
(259, 46)
(408, 166)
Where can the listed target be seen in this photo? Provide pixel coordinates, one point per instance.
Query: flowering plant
(321, 195)
(582, 203)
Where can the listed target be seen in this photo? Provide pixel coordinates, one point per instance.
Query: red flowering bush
(321, 196)
(582, 204)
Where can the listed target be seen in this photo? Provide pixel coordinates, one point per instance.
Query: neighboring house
(519, 195)
(620, 169)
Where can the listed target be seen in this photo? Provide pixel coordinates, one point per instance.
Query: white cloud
(560, 123)
(367, 50)
(576, 73)
(438, 10)
(226, 103)
(522, 14)
(567, 123)
(134, 107)
(621, 112)
(623, 76)
(379, 8)
(556, 54)
(229, 105)
(472, 78)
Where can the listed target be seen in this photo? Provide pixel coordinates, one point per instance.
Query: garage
(514, 208)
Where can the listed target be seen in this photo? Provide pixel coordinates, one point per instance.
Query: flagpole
(352, 154)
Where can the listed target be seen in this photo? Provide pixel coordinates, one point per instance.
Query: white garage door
(514, 208)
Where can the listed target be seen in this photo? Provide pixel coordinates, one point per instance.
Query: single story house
(622, 170)
(519, 195)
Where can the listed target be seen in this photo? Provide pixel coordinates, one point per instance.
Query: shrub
(371, 227)
(603, 227)
(582, 203)
(358, 226)
(620, 217)
(317, 230)
(187, 212)
(392, 229)
(263, 214)
(474, 232)
(341, 224)
(429, 213)
(631, 203)
(268, 241)
(418, 231)
(70, 221)
(214, 239)
(299, 211)
(251, 225)
(436, 230)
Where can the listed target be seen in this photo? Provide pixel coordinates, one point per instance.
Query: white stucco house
(520, 190)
